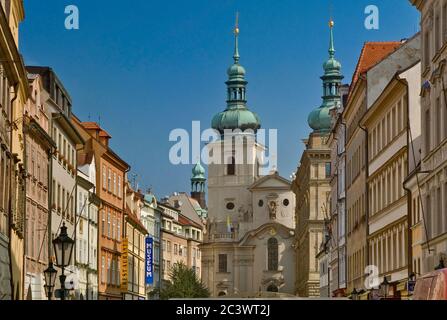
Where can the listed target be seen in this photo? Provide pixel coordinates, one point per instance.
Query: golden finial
(331, 23)
(236, 27)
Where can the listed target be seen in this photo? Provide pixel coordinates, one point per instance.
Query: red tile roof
(372, 53)
(187, 222)
(95, 126)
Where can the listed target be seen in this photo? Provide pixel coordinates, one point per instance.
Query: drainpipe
(50, 200)
(366, 204)
(409, 198)
(11, 167)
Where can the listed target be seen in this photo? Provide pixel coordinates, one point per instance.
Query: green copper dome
(236, 118)
(332, 66)
(236, 71)
(320, 119)
(236, 115)
(198, 172)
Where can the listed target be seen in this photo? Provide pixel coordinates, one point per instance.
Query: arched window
(231, 167)
(222, 294)
(272, 248)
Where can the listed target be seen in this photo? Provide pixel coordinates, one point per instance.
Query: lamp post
(63, 246)
(440, 265)
(50, 280)
(354, 294)
(385, 288)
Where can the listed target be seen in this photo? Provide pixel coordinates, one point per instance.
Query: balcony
(219, 232)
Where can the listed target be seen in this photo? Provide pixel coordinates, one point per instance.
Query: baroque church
(247, 250)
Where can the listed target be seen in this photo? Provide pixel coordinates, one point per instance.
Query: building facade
(151, 219)
(63, 167)
(135, 234)
(312, 183)
(337, 224)
(86, 247)
(14, 93)
(174, 244)
(110, 173)
(356, 165)
(39, 148)
(392, 121)
(432, 179)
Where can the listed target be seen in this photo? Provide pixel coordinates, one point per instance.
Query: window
(230, 206)
(328, 170)
(109, 181)
(272, 248)
(103, 272)
(108, 222)
(104, 177)
(114, 183)
(427, 132)
(426, 49)
(231, 167)
(169, 248)
(175, 249)
(103, 222)
(119, 187)
(429, 216)
(109, 271)
(261, 203)
(222, 263)
(113, 227)
(438, 124)
(164, 245)
(119, 230)
(286, 202)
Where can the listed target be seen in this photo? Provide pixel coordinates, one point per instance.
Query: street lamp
(63, 246)
(385, 288)
(50, 280)
(354, 294)
(440, 265)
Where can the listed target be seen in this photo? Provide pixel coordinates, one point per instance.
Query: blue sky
(146, 67)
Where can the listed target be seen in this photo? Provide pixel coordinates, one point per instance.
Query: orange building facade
(110, 173)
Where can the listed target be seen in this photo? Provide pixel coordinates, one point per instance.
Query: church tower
(320, 119)
(248, 244)
(312, 182)
(198, 181)
(237, 155)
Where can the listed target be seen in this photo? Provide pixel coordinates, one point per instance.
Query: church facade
(247, 249)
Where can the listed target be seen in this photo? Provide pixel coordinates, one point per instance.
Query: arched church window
(240, 94)
(235, 94)
(272, 248)
(231, 167)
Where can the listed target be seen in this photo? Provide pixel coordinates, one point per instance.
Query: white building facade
(88, 203)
